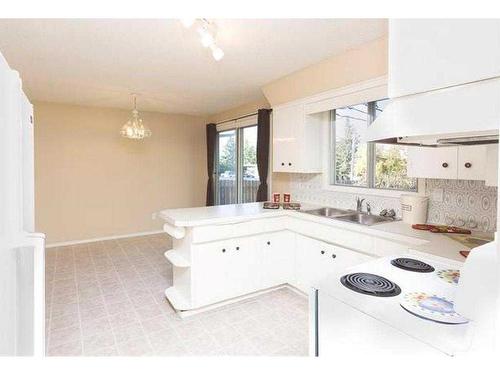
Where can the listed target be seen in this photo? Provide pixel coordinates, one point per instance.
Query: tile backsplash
(468, 204)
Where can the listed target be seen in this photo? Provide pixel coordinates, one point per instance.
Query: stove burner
(370, 284)
(413, 265)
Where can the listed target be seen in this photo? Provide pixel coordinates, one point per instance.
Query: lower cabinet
(222, 270)
(277, 253)
(316, 259)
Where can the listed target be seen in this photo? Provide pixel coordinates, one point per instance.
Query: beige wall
(91, 183)
(359, 64)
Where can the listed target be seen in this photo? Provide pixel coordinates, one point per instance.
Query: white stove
(399, 304)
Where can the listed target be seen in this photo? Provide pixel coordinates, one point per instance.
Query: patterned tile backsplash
(468, 204)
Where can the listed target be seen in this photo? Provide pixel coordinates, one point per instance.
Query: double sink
(349, 216)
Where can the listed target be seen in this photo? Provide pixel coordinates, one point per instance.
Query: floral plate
(431, 307)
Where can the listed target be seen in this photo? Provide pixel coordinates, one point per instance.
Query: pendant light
(134, 128)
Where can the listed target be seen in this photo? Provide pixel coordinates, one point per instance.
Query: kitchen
(355, 211)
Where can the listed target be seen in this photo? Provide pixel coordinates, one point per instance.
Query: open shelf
(176, 259)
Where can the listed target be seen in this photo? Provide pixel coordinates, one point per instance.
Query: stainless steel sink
(364, 219)
(349, 216)
(328, 212)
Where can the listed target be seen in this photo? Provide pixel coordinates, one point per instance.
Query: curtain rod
(239, 118)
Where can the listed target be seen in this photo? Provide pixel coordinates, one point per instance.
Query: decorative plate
(450, 276)
(431, 307)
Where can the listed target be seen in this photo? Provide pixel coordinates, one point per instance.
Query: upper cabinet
(296, 140)
(429, 54)
(464, 163)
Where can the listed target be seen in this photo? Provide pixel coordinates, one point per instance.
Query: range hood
(458, 115)
(443, 83)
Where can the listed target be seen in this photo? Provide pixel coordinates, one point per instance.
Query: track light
(207, 38)
(217, 53)
(207, 31)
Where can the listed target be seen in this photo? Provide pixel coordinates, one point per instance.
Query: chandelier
(134, 128)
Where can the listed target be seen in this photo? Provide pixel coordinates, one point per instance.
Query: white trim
(378, 82)
(187, 313)
(239, 123)
(77, 242)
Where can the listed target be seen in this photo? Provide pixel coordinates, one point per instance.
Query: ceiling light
(134, 128)
(207, 31)
(217, 53)
(207, 39)
(187, 22)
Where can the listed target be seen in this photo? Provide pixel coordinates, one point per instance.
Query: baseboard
(77, 242)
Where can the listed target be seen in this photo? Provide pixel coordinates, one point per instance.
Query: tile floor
(106, 298)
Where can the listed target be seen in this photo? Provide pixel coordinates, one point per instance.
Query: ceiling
(99, 62)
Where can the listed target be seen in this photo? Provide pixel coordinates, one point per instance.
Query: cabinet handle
(334, 256)
(269, 242)
(290, 164)
(282, 163)
(322, 251)
(467, 165)
(223, 250)
(445, 165)
(237, 247)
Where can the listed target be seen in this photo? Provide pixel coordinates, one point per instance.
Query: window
(357, 163)
(237, 175)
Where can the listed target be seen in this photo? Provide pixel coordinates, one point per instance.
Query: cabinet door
(243, 274)
(472, 162)
(317, 259)
(286, 124)
(427, 54)
(210, 265)
(427, 162)
(277, 253)
(305, 263)
(491, 170)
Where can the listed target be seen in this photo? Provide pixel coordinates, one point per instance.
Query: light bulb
(187, 22)
(217, 53)
(207, 38)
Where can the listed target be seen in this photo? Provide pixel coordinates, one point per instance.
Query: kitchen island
(224, 253)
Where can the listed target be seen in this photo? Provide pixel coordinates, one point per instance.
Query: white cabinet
(224, 269)
(472, 162)
(316, 259)
(277, 255)
(476, 162)
(427, 54)
(296, 140)
(210, 264)
(426, 162)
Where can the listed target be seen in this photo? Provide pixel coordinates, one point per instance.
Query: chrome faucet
(359, 204)
(368, 208)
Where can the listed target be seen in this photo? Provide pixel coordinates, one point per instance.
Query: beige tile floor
(106, 298)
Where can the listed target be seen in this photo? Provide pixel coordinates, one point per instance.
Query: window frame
(239, 162)
(371, 189)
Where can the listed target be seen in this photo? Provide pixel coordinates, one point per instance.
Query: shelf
(176, 259)
(176, 299)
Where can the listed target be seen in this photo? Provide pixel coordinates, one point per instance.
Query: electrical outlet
(437, 195)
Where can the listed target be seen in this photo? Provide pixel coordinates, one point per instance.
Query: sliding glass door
(237, 175)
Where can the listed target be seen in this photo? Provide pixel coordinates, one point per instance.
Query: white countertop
(431, 243)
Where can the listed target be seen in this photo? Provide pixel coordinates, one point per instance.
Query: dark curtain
(211, 147)
(263, 133)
